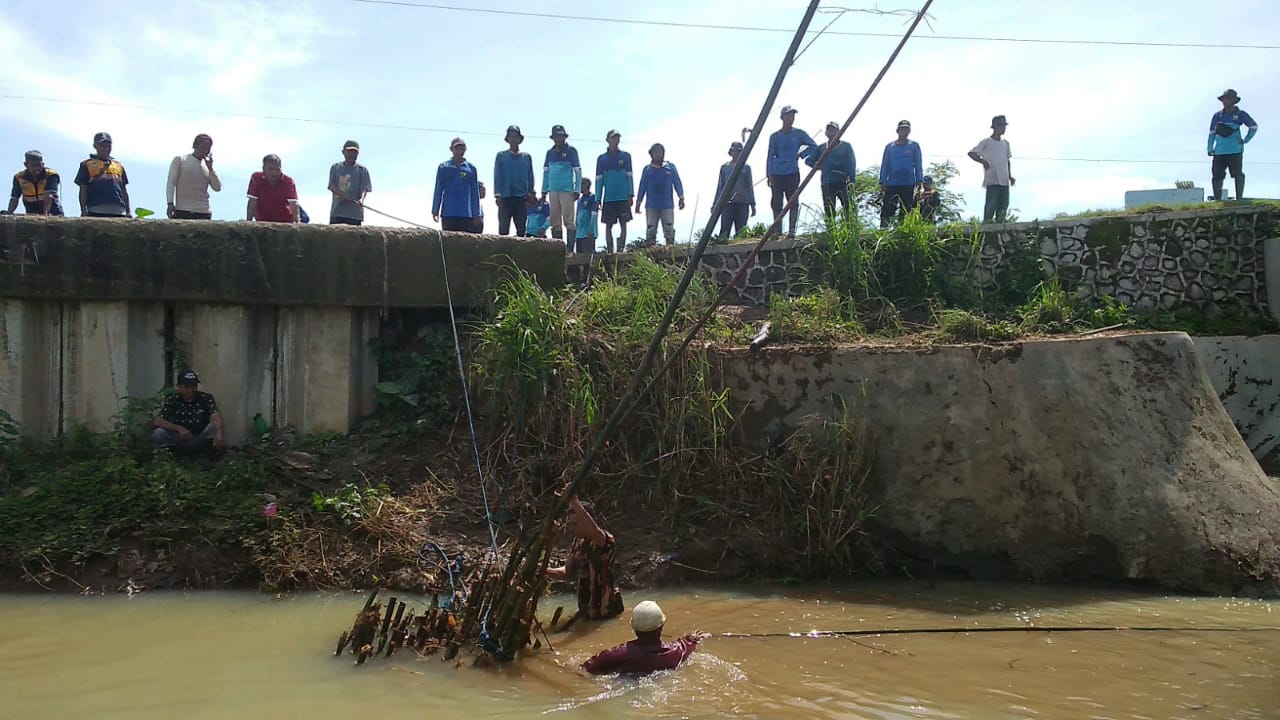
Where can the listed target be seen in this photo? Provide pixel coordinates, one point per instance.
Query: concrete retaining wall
(259, 263)
(1245, 372)
(1106, 458)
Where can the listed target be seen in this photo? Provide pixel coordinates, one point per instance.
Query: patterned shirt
(194, 415)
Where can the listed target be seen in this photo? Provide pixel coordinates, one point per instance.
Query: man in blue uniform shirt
(1226, 146)
(782, 166)
(456, 201)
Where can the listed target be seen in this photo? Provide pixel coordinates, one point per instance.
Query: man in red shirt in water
(647, 653)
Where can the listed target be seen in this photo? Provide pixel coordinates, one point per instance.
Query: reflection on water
(230, 655)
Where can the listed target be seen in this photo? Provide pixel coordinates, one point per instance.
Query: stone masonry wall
(781, 267)
(1213, 260)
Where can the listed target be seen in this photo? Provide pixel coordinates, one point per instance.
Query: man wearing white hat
(647, 653)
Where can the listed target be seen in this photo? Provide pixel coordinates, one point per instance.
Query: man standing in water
(647, 653)
(590, 563)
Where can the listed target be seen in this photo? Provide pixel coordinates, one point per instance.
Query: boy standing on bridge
(1226, 146)
(587, 220)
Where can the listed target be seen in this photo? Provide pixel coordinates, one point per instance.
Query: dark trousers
(509, 209)
(996, 208)
(188, 215)
(734, 218)
(105, 215)
(335, 220)
(1221, 164)
(835, 193)
(458, 224)
(898, 201)
(784, 188)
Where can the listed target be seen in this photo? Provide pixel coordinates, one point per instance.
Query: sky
(1087, 121)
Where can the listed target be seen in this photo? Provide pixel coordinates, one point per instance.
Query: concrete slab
(111, 351)
(30, 365)
(233, 349)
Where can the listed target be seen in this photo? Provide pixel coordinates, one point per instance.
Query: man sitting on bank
(189, 422)
(647, 653)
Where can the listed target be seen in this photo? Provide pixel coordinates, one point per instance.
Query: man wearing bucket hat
(455, 202)
(742, 196)
(782, 165)
(513, 183)
(994, 154)
(1226, 146)
(647, 653)
(561, 180)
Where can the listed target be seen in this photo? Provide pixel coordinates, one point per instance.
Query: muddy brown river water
(244, 656)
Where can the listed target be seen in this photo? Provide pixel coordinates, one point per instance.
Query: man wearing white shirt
(994, 154)
(190, 177)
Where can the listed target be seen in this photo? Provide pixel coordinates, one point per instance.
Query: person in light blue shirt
(1226, 146)
(658, 180)
(616, 186)
(561, 177)
(786, 147)
(455, 202)
(538, 213)
(512, 183)
(838, 170)
(901, 170)
(588, 218)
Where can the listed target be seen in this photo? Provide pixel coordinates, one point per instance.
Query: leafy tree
(869, 198)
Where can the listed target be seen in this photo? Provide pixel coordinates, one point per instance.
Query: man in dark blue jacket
(901, 170)
(838, 170)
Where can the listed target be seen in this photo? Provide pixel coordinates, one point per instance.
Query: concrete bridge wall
(276, 319)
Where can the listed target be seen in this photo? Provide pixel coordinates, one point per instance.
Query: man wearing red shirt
(272, 194)
(647, 653)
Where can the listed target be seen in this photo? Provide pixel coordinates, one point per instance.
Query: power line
(482, 133)
(846, 33)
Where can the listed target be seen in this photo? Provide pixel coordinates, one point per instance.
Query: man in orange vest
(37, 186)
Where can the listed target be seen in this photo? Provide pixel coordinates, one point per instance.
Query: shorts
(615, 211)
(1224, 163)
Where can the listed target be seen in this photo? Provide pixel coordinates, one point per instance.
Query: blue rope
(466, 400)
(452, 568)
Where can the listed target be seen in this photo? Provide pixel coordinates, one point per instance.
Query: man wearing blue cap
(103, 182)
(783, 165)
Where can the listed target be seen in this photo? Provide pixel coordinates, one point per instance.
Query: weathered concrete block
(1245, 373)
(1109, 458)
(325, 370)
(111, 351)
(233, 348)
(260, 263)
(30, 364)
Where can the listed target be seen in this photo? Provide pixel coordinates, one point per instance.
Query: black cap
(999, 120)
(928, 179)
(904, 124)
(101, 138)
(33, 155)
(189, 378)
(735, 147)
(558, 130)
(350, 145)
